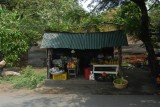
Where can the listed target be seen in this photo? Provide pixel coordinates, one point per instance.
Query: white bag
(91, 76)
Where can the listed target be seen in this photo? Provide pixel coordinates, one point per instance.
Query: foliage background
(22, 23)
(30, 78)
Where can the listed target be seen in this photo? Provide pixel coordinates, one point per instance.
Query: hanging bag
(91, 76)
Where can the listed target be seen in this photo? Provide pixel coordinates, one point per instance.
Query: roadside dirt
(5, 87)
(9, 90)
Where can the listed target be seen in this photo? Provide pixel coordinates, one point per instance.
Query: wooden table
(108, 69)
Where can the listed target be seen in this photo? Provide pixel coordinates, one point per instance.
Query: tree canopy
(13, 42)
(24, 22)
(144, 22)
(154, 14)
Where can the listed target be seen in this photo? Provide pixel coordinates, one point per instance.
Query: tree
(18, 31)
(144, 36)
(23, 23)
(154, 17)
(53, 15)
(128, 17)
(12, 40)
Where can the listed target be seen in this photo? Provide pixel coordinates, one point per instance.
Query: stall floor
(140, 83)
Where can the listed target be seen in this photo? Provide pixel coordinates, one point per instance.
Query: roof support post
(120, 56)
(120, 60)
(49, 59)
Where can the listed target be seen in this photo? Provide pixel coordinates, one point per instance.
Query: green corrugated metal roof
(92, 40)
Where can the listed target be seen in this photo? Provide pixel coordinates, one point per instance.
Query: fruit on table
(71, 65)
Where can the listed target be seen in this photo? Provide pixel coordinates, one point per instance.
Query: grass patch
(29, 78)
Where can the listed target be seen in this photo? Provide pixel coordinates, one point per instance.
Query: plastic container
(87, 72)
(62, 76)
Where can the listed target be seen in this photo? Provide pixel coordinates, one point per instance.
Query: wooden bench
(107, 69)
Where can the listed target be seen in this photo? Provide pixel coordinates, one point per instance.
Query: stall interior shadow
(84, 57)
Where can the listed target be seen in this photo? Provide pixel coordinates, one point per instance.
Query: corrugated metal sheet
(95, 40)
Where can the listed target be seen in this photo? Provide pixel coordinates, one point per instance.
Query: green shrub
(6, 79)
(28, 79)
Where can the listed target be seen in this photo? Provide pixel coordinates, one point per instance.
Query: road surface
(34, 99)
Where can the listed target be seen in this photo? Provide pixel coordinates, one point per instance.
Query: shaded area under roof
(96, 40)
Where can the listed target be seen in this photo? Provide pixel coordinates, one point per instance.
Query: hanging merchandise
(72, 51)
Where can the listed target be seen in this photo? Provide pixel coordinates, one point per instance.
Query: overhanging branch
(153, 5)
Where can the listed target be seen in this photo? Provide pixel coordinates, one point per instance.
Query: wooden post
(120, 56)
(49, 58)
(120, 60)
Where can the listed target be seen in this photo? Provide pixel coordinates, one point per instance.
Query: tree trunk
(146, 38)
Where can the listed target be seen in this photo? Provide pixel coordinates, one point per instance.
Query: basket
(62, 76)
(120, 86)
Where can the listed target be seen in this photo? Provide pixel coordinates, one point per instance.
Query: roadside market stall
(80, 50)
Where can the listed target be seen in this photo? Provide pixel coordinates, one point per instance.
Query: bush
(28, 79)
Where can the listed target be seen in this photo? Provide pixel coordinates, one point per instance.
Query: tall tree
(24, 21)
(154, 17)
(13, 43)
(144, 36)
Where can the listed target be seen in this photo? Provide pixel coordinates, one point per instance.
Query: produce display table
(107, 69)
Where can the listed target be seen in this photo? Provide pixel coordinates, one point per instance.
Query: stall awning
(94, 40)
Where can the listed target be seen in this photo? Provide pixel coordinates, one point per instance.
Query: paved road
(30, 99)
